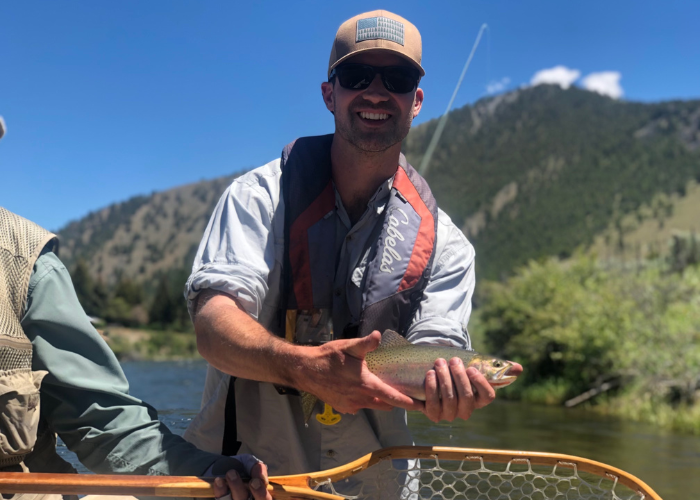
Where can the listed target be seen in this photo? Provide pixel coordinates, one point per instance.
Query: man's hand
(453, 392)
(233, 342)
(337, 374)
(231, 486)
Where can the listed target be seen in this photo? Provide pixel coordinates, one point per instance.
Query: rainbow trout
(403, 366)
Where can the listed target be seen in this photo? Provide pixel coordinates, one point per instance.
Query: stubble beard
(373, 141)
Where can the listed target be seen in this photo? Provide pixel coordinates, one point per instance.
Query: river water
(669, 463)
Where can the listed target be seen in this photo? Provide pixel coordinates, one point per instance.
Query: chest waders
(399, 264)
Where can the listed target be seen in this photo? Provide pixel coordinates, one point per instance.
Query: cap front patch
(379, 28)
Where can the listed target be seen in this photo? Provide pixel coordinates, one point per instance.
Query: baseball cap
(377, 30)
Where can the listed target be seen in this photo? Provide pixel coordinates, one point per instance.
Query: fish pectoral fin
(308, 403)
(392, 339)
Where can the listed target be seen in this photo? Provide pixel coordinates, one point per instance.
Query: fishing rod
(423, 169)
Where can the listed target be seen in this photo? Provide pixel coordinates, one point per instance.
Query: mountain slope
(542, 171)
(144, 236)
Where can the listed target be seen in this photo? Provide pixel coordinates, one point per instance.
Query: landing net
(474, 478)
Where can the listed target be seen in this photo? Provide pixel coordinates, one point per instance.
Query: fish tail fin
(308, 402)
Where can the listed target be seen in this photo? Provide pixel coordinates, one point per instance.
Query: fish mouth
(504, 377)
(502, 382)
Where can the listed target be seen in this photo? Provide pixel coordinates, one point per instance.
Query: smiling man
(306, 259)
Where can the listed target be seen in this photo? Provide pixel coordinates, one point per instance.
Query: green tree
(91, 296)
(118, 311)
(126, 304)
(163, 309)
(177, 282)
(685, 252)
(576, 324)
(129, 291)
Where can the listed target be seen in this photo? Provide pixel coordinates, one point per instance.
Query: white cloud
(496, 86)
(558, 75)
(605, 83)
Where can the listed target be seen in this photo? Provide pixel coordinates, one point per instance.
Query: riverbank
(681, 418)
(137, 344)
(622, 340)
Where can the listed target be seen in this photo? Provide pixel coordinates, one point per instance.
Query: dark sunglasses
(396, 79)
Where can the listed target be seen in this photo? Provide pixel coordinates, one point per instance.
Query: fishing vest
(400, 255)
(21, 243)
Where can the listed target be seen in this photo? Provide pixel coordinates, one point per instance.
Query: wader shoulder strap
(308, 194)
(402, 259)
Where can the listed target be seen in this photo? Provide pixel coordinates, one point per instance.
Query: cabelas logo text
(389, 255)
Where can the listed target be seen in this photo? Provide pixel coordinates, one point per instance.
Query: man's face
(356, 110)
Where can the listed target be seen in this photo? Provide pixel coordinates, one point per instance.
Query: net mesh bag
(473, 478)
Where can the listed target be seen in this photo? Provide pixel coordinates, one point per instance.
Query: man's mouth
(374, 116)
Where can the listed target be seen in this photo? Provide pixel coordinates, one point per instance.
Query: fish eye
(497, 364)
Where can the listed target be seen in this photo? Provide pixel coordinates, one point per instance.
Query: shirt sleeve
(443, 314)
(239, 247)
(85, 396)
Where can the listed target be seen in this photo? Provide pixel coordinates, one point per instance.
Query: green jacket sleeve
(85, 397)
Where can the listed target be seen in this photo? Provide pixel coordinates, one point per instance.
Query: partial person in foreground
(306, 259)
(58, 376)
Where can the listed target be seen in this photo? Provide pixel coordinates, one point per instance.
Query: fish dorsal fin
(392, 339)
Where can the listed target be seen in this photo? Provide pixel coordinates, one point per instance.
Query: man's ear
(418, 102)
(328, 98)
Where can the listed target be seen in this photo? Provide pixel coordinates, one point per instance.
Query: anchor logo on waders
(328, 417)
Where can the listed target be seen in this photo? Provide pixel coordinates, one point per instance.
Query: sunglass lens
(355, 77)
(400, 80)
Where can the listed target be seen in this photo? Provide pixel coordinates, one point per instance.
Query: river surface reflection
(667, 462)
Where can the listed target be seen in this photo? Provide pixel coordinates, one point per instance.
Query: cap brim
(378, 49)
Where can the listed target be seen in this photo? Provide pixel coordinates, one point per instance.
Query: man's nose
(376, 92)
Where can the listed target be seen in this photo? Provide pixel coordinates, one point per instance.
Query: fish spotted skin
(403, 366)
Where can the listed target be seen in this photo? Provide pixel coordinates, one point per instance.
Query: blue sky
(107, 100)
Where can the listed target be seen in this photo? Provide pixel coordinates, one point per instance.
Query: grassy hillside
(649, 231)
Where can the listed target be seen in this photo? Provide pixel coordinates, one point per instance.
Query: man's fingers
(447, 391)
(358, 348)
(378, 404)
(390, 395)
(357, 404)
(221, 489)
(382, 405)
(258, 483)
(516, 369)
(432, 397)
(485, 394)
(238, 489)
(465, 396)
